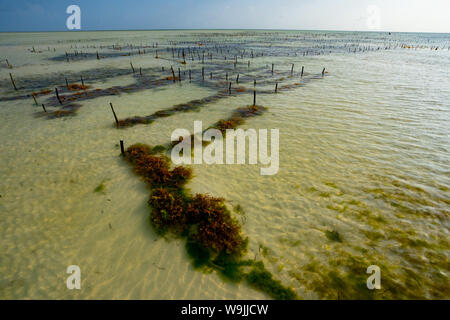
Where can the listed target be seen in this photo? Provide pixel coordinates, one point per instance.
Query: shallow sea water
(364, 152)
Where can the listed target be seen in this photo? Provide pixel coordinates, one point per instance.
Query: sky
(358, 15)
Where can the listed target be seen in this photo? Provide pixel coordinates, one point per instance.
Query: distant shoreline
(225, 29)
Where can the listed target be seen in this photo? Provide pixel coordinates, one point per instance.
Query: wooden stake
(67, 84)
(43, 107)
(12, 80)
(34, 98)
(272, 68)
(237, 78)
(323, 72)
(114, 113)
(254, 97)
(122, 149)
(229, 88)
(98, 58)
(203, 73)
(276, 87)
(303, 68)
(132, 68)
(82, 82)
(57, 96)
(190, 78)
(292, 69)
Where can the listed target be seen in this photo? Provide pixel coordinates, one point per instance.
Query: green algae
(337, 207)
(344, 275)
(261, 279)
(238, 209)
(373, 235)
(158, 149)
(100, 188)
(199, 255)
(265, 251)
(333, 235)
(408, 199)
(331, 184)
(415, 265)
(289, 241)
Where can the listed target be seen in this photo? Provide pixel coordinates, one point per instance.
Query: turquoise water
(364, 153)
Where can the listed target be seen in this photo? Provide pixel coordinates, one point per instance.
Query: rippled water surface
(364, 172)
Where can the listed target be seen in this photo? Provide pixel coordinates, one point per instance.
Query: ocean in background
(364, 174)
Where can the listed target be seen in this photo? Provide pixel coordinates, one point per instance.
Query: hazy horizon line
(205, 29)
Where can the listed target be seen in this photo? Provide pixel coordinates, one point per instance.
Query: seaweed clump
(214, 239)
(77, 87)
(238, 117)
(41, 93)
(66, 111)
(193, 105)
(128, 122)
